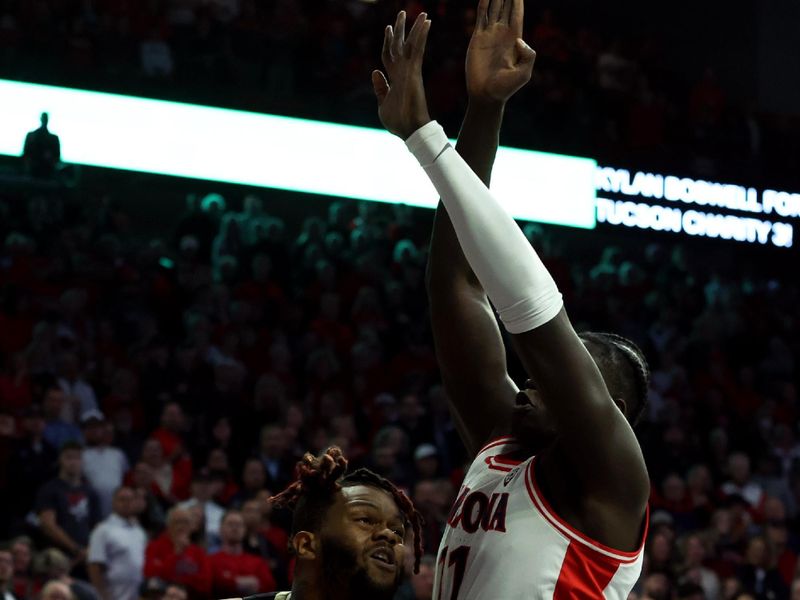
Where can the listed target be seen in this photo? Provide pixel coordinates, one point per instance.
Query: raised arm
(596, 438)
(469, 347)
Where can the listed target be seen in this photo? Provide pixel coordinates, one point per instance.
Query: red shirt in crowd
(227, 567)
(190, 568)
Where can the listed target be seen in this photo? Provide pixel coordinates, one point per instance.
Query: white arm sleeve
(512, 274)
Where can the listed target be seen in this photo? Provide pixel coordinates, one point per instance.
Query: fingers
(494, 10)
(423, 40)
(517, 17)
(414, 35)
(399, 34)
(506, 16)
(526, 56)
(380, 86)
(482, 20)
(386, 53)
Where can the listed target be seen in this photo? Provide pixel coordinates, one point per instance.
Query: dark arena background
(224, 268)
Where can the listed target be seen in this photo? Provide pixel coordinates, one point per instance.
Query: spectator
(757, 574)
(171, 430)
(150, 511)
(116, 550)
(21, 552)
(80, 397)
(203, 500)
(15, 384)
(264, 539)
(741, 484)
(152, 588)
(156, 57)
(53, 565)
(426, 461)
(57, 590)
(254, 478)
(693, 568)
(237, 573)
(67, 506)
(103, 465)
(172, 556)
(57, 431)
(175, 591)
(6, 574)
(42, 151)
(170, 481)
(272, 452)
(32, 461)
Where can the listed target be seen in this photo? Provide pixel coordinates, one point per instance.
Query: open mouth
(384, 557)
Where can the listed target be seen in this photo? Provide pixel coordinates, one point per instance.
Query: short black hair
(319, 478)
(624, 368)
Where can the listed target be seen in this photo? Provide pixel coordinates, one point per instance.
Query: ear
(306, 545)
(622, 406)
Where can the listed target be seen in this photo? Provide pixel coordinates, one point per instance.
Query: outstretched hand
(402, 107)
(499, 62)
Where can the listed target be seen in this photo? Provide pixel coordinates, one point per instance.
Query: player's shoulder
(499, 445)
(501, 454)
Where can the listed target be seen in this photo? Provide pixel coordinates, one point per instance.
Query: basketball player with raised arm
(554, 504)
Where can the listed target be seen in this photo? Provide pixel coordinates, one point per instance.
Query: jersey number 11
(458, 560)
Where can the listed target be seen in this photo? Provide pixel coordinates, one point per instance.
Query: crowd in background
(158, 385)
(150, 384)
(598, 90)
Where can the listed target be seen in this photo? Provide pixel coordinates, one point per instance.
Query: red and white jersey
(504, 541)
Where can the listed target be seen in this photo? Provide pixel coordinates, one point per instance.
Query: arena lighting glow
(200, 142)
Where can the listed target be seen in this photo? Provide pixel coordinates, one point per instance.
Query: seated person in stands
(172, 556)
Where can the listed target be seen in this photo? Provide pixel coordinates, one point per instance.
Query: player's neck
(302, 589)
(315, 588)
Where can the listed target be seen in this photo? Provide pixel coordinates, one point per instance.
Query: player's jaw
(531, 423)
(373, 570)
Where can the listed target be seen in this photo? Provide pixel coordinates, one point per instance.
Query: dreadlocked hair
(624, 368)
(319, 478)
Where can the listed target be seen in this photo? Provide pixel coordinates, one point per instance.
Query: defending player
(554, 504)
(348, 532)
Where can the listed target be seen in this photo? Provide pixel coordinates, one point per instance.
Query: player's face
(532, 423)
(363, 539)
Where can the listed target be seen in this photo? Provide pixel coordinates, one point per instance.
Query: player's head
(348, 530)
(44, 119)
(625, 372)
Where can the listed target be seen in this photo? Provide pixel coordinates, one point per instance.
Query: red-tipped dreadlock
(319, 478)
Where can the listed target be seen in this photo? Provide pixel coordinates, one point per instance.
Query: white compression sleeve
(512, 274)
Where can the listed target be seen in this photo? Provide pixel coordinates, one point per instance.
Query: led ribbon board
(201, 142)
(696, 207)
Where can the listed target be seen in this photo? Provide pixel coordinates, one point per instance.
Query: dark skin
(568, 419)
(365, 524)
